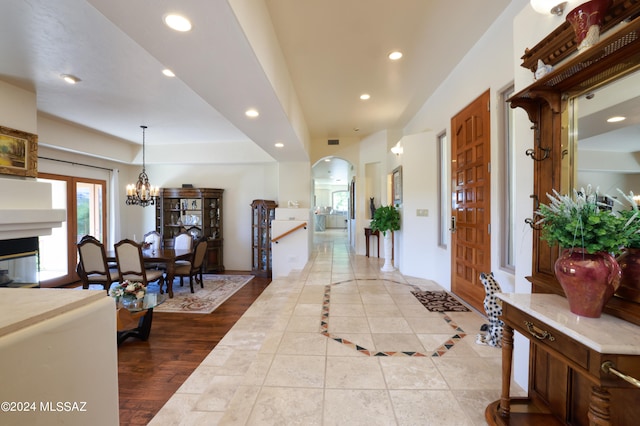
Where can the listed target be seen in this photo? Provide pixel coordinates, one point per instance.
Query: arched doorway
(331, 196)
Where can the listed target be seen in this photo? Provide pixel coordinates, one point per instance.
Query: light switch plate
(422, 212)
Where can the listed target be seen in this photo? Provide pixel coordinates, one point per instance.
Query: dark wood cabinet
(262, 213)
(567, 384)
(197, 211)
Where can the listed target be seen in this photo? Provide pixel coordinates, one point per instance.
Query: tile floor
(341, 343)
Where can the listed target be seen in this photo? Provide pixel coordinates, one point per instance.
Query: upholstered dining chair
(183, 241)
(131, 264)
(154, 239)
(92, 267)
(193, 269)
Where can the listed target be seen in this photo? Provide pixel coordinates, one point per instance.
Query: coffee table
(142, 312)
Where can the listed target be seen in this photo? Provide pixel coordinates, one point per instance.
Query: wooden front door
(470, 199)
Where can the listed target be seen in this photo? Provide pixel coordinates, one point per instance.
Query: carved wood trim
(561, 42)
(612, 57)
(616, 55)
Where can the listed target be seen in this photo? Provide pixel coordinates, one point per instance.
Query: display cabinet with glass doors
(263, 212)
(196, 211)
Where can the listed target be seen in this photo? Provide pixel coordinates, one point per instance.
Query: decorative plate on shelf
(195, 232)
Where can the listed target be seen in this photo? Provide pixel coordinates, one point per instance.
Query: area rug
(217, 289)
(439, 301)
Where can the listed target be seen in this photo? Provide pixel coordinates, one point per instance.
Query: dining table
(166, 256)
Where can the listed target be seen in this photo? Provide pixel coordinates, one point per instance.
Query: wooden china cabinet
(572, 359)
(262, 213)
(197, 211)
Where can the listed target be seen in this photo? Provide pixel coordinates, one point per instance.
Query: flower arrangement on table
(128, 290)
(590, 233)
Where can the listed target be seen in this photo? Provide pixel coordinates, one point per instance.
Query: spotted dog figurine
(493, 309)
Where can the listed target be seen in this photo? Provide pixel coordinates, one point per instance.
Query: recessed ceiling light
(365, 96)
(71, 79)
(168, 72)
(395, 55)
(616, 119)
(279, 145)
(178, 23)
(252, 113)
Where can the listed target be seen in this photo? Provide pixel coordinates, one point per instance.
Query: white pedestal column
(388, 248)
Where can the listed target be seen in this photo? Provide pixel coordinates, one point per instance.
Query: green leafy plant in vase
(589, 233)
(386, 220)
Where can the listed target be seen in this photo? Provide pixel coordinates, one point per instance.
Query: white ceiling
(619, 98)
(302, 63)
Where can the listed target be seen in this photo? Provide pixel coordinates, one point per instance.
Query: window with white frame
(443, 190)
(507, 255)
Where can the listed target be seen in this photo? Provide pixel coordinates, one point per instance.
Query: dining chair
(193, 269)
(92, 266)
(131, 264)
(154, 239)
(183, 241)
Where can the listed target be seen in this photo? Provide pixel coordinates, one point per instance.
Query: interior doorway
(331, 196)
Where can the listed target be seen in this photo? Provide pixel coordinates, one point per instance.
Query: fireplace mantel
(26, 209)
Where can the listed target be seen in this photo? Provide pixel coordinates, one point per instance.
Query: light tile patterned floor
(341, 343)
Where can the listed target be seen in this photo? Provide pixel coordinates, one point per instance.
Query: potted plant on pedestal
(386, 219)
(589, 234)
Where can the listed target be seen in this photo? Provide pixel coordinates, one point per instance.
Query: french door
(85, 202)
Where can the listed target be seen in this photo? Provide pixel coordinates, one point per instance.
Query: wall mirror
(603, 130)
(605, 151)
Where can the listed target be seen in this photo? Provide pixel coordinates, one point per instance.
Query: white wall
(372, 149)
(422, 257)
(292, 183)
(18, 108)
(241, 183)
(489, 65)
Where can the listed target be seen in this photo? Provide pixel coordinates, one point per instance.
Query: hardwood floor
(150, 372)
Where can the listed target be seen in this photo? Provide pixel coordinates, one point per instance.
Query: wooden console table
(573, 365)
(368, 232)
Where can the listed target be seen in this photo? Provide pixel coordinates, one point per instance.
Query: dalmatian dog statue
(493, 309)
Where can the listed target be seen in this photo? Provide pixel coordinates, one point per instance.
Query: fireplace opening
(19, 262)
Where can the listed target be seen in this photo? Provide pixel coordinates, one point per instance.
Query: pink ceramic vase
(588, 280)
(586, 20)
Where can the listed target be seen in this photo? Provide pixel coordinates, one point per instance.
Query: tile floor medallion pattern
(441, 350)
(342, 343)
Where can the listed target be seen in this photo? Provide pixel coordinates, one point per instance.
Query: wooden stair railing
(290, 231)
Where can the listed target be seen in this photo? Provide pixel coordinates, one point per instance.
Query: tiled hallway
(341, 343)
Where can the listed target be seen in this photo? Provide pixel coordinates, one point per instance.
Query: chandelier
(142, 193)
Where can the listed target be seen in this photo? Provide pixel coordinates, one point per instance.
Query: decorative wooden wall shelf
(561, 42)
(613, 56)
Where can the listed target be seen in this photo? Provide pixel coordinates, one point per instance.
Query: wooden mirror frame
(545, 101)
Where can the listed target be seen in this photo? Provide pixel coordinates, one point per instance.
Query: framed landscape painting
(18, 153)
(396, 186)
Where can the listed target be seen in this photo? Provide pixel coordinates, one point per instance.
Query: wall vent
(333, 142)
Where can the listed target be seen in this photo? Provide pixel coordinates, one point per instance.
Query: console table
(576, 364)
(368, 232)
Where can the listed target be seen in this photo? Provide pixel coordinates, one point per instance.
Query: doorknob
(453, 224)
